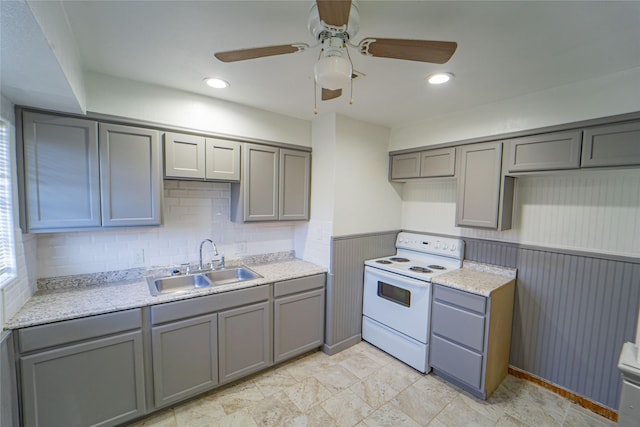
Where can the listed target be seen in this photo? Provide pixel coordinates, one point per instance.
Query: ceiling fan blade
(413, 50)
(328, 94)
(260, 52)
(334, 12)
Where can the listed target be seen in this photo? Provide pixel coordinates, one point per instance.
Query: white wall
(604, 96)
(192, 211)
(365, 201)
(15, 293)
(313, 238)
(127, 98)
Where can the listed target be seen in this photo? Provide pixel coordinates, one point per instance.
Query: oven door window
(394, 294)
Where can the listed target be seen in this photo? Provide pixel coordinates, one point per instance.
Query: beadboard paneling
(346, 274)
(571, 316)
(596, 211)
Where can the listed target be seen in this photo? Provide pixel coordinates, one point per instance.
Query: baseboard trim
(342, 345)
(575, 398)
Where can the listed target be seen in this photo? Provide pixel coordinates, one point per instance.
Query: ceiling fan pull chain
(350, 78)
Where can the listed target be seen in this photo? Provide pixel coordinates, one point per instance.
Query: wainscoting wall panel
(572, 314)
(345, 282)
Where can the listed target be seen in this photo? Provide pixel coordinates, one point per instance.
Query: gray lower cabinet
(471, 337)
(185, 360)
(298, 316)
(549, 151)
(80, 379)
(244, 341)
(424, 164)
(612, 145)
(275, 185)
(196, 157)
(80, 174)
(479, 185)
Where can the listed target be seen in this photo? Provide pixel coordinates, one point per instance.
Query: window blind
(7, 248)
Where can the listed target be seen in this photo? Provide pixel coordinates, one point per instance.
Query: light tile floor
(363, 386)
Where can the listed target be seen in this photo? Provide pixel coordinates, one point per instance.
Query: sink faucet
(215, 251)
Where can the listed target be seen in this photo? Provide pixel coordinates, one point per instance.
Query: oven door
(397, 301)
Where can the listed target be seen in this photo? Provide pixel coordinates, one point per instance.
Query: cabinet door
(260, 183)
(99, 383)
(223, 160)
(130, 175)
(435, 163)
(298, 324)
(185, 358)
(405, 166)
(458, 361)
(244, 341)
(62, 181)
(184, 156)
(613, 145)
(479, 185)
(294, 185)
(551, 151)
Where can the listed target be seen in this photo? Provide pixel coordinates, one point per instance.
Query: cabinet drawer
(179, 310)
(545, 152)
(458, 325)
(613, 145)
(68, 331)
(301, 284)
(462, 299)
(464, 364)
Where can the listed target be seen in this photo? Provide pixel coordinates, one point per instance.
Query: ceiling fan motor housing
(321, 30)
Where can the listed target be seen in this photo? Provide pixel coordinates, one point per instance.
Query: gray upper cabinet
(197, 157)
(184, 156)
(79, 174)
(405, 166)
(222, 160)
(551, 151)
(294, 185)
(479, 186)
(275, 185)
(424, 164)
(130, 176)
(435, 163)
(61, 172)
(612, 145)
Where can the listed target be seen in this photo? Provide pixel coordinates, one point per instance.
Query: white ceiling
(505, 50)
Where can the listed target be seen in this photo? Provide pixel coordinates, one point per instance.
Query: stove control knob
(444, 246)
(453, 247)
(437, 244)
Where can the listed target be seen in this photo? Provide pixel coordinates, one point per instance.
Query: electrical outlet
(138, 256)
(242, 247)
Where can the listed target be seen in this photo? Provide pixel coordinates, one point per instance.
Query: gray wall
(344, 285)
(573, 312)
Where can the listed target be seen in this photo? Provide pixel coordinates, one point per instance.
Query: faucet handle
(186, 267)
(217, 262)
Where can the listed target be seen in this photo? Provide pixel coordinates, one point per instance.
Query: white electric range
(397, 295)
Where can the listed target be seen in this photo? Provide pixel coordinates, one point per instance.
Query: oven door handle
(396, 279)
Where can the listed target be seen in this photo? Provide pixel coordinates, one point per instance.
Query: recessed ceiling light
(216, 83)
(439, 78)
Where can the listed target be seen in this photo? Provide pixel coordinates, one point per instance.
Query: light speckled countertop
(477, 278)
(52, 305)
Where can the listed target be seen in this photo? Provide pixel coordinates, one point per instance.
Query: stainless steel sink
(231, 275)
(203, 279)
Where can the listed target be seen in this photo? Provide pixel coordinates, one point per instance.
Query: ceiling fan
(334, 23)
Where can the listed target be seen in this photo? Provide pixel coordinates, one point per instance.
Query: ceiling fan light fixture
(332, 72)
(216, 82)
(439, 78)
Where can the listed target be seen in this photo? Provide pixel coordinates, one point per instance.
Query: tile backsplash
(192, 211)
